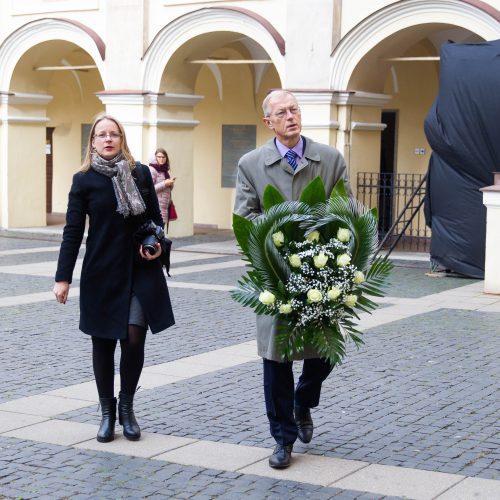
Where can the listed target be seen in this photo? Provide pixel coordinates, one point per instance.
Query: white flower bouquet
(311, 267)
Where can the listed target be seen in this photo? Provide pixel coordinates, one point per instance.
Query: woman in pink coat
(160, 172)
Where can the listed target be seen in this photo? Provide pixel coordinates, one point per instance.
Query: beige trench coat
(264, 166)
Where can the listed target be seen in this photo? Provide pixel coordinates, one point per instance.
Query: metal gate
(398, 197)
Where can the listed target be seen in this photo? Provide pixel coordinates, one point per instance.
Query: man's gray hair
(266, 108)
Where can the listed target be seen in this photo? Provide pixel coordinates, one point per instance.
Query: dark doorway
(387, 169)
(49, 153)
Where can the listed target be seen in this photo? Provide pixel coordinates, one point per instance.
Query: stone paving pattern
(422, 393)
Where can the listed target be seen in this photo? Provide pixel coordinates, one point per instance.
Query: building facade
(190, 76)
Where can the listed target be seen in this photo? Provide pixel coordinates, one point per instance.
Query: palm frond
(261, 251)
(248, 296)
(271, 271)
(271, 197)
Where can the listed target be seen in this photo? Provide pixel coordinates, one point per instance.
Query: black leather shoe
(126, 417)
(304, 423)
(106, 431)
(282, 454)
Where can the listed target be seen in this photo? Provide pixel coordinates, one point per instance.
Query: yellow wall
(74, 102)
(178, 142)
(213, 205)
(418, 87)
(67, 111)
(26, 182)
(365, 144)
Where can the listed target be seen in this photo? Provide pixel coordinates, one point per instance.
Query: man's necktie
(290, 156)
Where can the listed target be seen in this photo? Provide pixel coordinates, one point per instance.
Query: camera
(155, 235)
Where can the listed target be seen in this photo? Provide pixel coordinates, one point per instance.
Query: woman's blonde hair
(125, 151)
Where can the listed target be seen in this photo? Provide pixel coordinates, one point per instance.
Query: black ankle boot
(106, 431)
(131, 429)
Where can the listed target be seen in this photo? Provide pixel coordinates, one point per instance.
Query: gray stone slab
(56, 432)
(10, 421)
(44, 405)
(150, 445)
(473, 487)
(308, 469)
(212, 455)
(398, 481)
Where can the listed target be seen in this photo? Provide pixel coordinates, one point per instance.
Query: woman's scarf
(128, 198)
(161, 168)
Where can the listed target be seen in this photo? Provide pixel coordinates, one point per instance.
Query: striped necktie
(290, 156)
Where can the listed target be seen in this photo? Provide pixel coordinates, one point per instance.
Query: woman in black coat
(122, 287)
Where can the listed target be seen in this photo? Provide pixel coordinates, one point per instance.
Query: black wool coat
(112, 267)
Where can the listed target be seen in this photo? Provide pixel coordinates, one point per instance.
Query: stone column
(316, 110)
(491, 199)
(128, 107)
(171, 126)
(23, 119)
(161, 120)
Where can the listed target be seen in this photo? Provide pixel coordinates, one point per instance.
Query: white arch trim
(44, 30)
(202, 21)
(400, 15)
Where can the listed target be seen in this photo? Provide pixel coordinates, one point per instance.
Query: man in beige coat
(289, 162)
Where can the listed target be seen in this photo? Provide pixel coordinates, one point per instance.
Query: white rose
(278, 238)
(333, 293)
(343, 259)
(286, 308)
(350, 300)
(343, 235)
(359, 277)
(267, 298)
(294, 260)
(320, 260)
(314, 295)
(313, 236)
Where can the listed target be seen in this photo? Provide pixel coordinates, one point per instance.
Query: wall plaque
(236, 141)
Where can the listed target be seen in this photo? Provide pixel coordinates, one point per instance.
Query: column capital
(146, 97)
(21, 98)
(359, 98)
(491, 194)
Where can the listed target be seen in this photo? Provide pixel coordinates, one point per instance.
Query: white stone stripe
(469, 297)
(305, 468)
(62, 400)
(207, 267)
(200, 286)
(32, 298)
(48, 268)
(23, 251)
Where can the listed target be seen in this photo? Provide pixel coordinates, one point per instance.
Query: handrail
(399, 218)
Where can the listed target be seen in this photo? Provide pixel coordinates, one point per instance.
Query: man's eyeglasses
(112, 135)
(294, 110)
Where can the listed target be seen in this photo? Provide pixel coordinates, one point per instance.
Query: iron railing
(399, 199)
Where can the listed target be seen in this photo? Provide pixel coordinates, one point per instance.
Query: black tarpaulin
(463, 129)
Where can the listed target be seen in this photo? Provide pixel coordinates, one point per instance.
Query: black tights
(131, 362)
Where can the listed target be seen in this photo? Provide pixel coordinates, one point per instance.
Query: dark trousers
(281, 396)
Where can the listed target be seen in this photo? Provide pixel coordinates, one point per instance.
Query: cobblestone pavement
(418, 404)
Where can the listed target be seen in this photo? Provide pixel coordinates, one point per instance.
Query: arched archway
(400, 16)
(389, 66)
(211, 68)
(209, 20)
(52, 75)
(44, 30)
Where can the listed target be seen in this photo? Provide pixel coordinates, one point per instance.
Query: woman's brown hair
(125, 151)
(164, 153)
